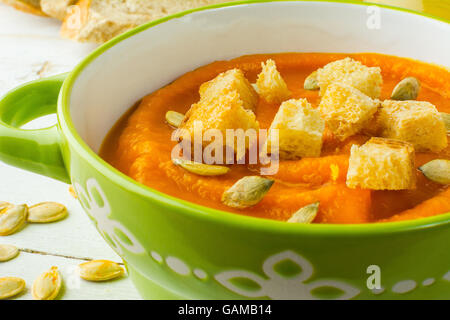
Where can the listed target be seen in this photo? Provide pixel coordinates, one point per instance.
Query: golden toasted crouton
(271, 85)
(223, 112)
(382, 164)
(346, 110)
(300, 129)
(353, 73)
(232, 80)
(417, 122)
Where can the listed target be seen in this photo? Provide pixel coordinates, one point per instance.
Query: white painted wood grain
(30, 48)
(29, 266)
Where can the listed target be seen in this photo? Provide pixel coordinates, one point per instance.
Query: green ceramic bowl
(175, 249)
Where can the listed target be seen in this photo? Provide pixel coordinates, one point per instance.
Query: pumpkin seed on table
(8, 252)
(46, 212)
(437, 171)
(47, 285)
(12, 219)
(247, 192)
(407, 89)
(201, 169)
(100, 270)
(306, 214)
(311, 82)
(174, 118)
(10, 287)
(446, 118)
(4, 205)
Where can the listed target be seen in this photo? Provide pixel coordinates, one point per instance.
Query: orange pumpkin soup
(140, 146)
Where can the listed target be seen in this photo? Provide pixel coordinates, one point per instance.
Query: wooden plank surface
(31, 48)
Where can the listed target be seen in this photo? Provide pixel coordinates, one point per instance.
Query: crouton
(300, 129)
(346, 110)
(56, 8)
(382, 164)
(353, 73)
(223, 112)
(232, 80)
(271, 85)
(417, 122)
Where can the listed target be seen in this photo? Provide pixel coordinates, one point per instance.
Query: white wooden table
(30, 48)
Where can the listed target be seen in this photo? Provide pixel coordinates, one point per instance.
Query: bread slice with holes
(28, 6)
(382, 164)
(100, 20)
(56, 8)
(300, 129)
(346, 110)
(348, 71)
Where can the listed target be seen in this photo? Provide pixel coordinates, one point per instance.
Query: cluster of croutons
(349, 105)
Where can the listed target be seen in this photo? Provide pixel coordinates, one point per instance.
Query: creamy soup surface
(140, 146)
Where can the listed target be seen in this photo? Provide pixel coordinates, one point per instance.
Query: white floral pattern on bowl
(100, 212)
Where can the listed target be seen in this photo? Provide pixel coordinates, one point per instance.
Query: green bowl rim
(202, 212)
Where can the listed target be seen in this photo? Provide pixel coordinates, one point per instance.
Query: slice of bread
(100, 20)
(56, 8)
(28, 6)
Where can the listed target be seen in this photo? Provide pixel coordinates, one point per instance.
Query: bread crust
(56, 8)
(101, 20)
(25, 7)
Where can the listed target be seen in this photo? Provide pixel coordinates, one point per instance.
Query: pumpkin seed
(100, 270)
(311, 82)
(200, 168)
(247, 192)
(12, 219)
(47, 285)
(8, 252)
(10, 287)
(174, 118)
(407, 89)
(4, 205)
(446, 119)
(46, 212)
(306, 214)
(437, 171)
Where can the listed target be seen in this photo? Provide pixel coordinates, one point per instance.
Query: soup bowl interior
(173, 255)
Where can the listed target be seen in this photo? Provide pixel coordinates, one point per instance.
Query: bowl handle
(33, 150)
